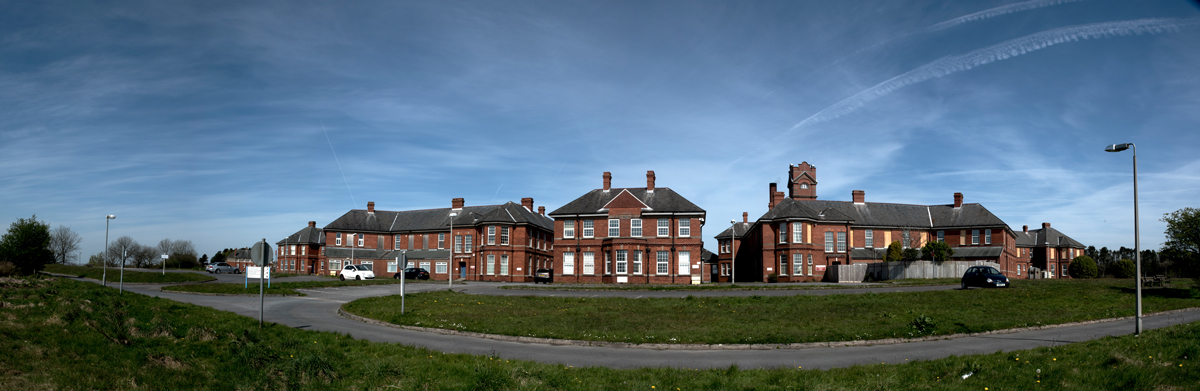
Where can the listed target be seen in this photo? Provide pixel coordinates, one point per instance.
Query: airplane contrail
(997, 11)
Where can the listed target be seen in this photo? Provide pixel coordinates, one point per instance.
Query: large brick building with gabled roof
(629, 235)
(1048, 249)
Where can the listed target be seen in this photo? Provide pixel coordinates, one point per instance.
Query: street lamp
(450, 261)
(1137, 250)
(733, 253)
(104, 259)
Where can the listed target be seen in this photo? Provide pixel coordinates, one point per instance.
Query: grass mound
(114, 274)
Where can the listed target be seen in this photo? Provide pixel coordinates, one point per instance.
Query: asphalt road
(318, 311)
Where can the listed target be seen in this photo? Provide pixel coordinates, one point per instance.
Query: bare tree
(122, 250)
(145, 256)
(64, 243)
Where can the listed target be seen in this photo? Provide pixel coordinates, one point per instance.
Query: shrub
(1083, 267)
(1124, 269)
(773, 277)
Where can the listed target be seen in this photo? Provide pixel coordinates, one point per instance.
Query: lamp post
(1137, 250)
(104, 259)
(732, 253)
(450, 262)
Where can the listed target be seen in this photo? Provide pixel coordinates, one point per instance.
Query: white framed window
(491, 264)
(337, 239)
(292, 250)
(441, 268)
(607, 263)
(663, 258)
(467, 243)
(635, 228)
(441, 241)
(397, 246)
(941, 236)
(783, 263)
(458, 242)
(491, 234)
(637, 262)
(589, 262)
(906, 242)
(974, 236)
(504, 265)
(796, 230)
(828, 242)
(361, 239)
(724, 269)
(797, 264)
(568, 263)
(782, 232)
(391, 266)
(568, 229)
(504, 236)
(869, 238)
(685, 228)
(622, 261)
(335, 264)
(303, 250)
(614, 228)
(841, 242)
(987, 236)
(664, 227)
(589, 228)
(810, 265)
(685, 262)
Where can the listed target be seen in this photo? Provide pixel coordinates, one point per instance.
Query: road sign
(261, 253)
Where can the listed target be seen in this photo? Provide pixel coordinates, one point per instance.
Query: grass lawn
(727, 287)
(277, 287)
(114, 274)
(64, 334)
(776, 320)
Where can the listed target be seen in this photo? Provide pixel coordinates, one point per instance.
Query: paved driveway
(318, 311)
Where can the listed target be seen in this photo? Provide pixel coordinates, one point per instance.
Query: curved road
(319, 311)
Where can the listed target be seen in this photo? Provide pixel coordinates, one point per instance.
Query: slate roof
(959, 252)
(741, 228)
(707, 256)
(876, 214)
(435, 219)
(1048, 237)
(308, 235)
(662, 199)
(361, 253)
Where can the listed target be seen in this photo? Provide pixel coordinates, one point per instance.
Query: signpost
(164, 258)
(260, 254)
(402, 260)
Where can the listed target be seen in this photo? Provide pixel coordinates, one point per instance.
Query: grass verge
(726, 287)
(775, 320)
(114, 274)
(277, 287)
(63, 334)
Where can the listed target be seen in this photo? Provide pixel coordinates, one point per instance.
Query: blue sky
(227, 122)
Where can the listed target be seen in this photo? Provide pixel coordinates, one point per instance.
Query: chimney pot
(312, 224)
(958, 200)
(650, 180)
(859, 196)
(542, 210)
(607, 180)
(1025, 228)
(1045, 225)
(771, 196)
(371, 206)
(745, 217)
(527, 202)
(457, 203)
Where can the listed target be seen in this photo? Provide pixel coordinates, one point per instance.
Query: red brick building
(629, 235)
(800, 237)
(1047, 249)
(300, 253)
(491, 243)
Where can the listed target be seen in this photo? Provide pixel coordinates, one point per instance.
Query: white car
(357, 272)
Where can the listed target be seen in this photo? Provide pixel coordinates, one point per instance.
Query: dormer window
(803, 185)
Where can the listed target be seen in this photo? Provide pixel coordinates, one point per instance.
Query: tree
(895, 252)
(911, 255)
(1083, 266)
(121, 250)
(218, 257)
(144, 256)
(64, 243)
(203, 259)
(1124, 269)
(96, 259)
(1183, 239)
(27, 245)
(937, 251)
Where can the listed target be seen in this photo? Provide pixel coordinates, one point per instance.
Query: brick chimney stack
(607, 180)
(370, 206)
(542, 210)
(860, 197)
(457, 203)
(958, 200)
(1025, 228)
(312, 224)
(771, 196)
(1045, 225)
(745, 217)
(527, 202)
(650, 180)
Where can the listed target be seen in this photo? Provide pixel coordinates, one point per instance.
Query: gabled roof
(363, 253)
(877, 214)
(661, 199)
(434, 219)
(959, 252)
(740, 228)
(707, 256)
(1046, 237)
(308, 235)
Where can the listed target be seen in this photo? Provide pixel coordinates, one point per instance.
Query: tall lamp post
(104, 259)
(732, 253)
(450, 262)
(1137, 250)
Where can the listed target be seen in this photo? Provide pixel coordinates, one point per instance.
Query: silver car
(222, 267)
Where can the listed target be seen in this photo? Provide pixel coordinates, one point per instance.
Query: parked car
(221, 267)
(984, 276)
(413, 273)
(357, 272)
(543, 276)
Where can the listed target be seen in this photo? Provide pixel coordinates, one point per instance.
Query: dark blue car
(984, 276)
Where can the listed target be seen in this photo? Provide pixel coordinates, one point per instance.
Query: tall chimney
(607, 180)
(527, 202)
(1025, 229)
(1045, 225)
(312, 224)
(650, 180)
(371, 206)
(745, 217)
(457, 203)
(958, 200)
(860, 197)
(771, 196)
(542, 210)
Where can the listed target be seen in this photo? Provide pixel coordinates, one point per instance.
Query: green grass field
(728, 287)
(114, 274)
(64, 334)
(775, 320)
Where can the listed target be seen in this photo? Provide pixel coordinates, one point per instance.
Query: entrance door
(462, 267)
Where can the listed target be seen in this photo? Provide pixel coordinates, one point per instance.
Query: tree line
(1178, 257)
(30, 244)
